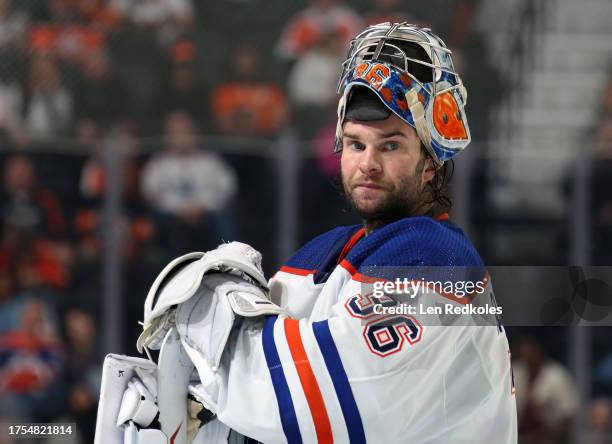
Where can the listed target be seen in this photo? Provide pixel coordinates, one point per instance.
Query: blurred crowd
(601, 181)
(185, 99)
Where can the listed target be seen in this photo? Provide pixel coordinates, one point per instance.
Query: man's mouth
(369, 186)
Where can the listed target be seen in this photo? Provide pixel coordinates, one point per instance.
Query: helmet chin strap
(463, 93)
(418, 115)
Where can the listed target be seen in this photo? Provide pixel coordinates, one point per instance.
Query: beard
(403, 200)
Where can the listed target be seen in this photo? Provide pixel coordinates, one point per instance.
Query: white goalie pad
(180, 280)
(117, 372)
(134, 435)
(137, 404)
(135, 390)
(174, 371)
(205, 321)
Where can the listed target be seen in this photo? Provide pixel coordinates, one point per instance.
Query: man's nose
(370, 161)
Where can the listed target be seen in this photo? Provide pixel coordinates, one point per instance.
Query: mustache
(363, 179)
(401, 200)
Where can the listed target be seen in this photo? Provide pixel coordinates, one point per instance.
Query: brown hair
(437, 187)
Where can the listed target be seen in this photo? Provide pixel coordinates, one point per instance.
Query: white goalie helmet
(410, 70)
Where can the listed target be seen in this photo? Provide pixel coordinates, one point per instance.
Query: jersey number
(383, 334)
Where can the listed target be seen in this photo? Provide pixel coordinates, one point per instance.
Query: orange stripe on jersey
(351, 243)
(309, 382)
(358, 276)
(348, 267)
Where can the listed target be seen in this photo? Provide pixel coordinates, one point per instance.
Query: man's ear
(429, 170)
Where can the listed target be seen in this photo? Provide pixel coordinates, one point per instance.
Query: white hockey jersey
(336, 370)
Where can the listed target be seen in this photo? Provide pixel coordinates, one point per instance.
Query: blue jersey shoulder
(315, 254)
(414, 242)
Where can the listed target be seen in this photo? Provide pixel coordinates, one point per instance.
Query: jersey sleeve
(282, 380)
(344, 379)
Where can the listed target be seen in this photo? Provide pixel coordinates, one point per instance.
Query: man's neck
(371, 225)
(424, 210)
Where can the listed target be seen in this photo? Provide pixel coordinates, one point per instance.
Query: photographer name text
(445, 309)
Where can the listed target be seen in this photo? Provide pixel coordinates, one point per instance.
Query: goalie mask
(410, 70)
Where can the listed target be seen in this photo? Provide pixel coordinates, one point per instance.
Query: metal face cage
(378, 42)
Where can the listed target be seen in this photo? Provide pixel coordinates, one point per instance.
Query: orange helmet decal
(447, 117)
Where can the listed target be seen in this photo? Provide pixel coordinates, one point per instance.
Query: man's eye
(353, 144)
(391, 146)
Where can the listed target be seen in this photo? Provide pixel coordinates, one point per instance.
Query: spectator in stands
(65, 34)
(62, 11)
(25, 204)
(83, 370)
(312, 86)
(248, 104)
(13, 26)
(37, 264)
(7, 287)
(309, 28)
(394, 11)
(183, 88)
(93, 174)
(313, 43)
(33, 9)
(155, 12)
(47, 103)
(11, 100)
(546, 395)
(93, 186)
(168, 18)
(141, 77)
(99, 14)
(31, 361)
(599, 422)
(188, 188)
(33, 228)
(93, 183)
(88, 134)
(99, 93)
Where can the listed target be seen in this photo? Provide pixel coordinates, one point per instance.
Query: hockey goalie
(232, 364)
(312, 356)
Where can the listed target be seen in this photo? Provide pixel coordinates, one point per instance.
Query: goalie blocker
(168, 402)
